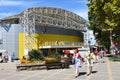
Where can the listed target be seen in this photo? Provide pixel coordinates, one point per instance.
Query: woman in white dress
(78, 62)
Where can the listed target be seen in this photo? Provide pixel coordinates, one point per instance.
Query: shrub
(35, 55)
(55, 55)
(114, 57)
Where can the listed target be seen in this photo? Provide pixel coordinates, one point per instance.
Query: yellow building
(47, 26)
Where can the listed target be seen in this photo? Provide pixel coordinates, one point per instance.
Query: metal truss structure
(27, 20)
(53, 17)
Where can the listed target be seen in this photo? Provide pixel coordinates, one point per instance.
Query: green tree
(104, 14)
(112, 8)
(112, 11)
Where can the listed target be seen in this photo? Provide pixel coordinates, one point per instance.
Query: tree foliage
(104, 14)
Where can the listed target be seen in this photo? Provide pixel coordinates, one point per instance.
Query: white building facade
(89, 37)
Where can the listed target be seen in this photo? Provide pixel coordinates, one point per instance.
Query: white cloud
(83, 14)
(2, 15)
(16, 3)
(10, 3)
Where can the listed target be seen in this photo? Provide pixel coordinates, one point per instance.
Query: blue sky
(11, 7)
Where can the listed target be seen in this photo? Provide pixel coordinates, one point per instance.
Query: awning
(46, 47)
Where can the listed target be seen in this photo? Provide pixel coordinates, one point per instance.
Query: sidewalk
(101, 71)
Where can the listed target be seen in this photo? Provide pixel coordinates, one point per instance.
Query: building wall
(21, 45)
(13, 38)
(41, 39)
(89, 37)
(10, 39)
(56, 30)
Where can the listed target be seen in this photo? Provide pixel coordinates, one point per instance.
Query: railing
(61, 43)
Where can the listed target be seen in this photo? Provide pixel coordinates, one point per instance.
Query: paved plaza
(101, 71)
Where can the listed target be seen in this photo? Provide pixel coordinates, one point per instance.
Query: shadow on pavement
(94, 72)
(82, 73)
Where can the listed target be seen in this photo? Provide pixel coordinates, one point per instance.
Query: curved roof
(57, 13)
(49, 16)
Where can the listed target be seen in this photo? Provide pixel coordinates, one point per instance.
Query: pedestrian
(6, 58)
(101, 53)
(90, 61)
(1, 60)
(96, 53)
(78, 62)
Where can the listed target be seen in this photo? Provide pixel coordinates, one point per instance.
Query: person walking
(89, 58)
(101, 53)
(96, 53)
(77, 62)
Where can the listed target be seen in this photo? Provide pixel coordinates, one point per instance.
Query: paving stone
(101, 71)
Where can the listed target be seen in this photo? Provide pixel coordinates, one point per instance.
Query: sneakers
(76, 76)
